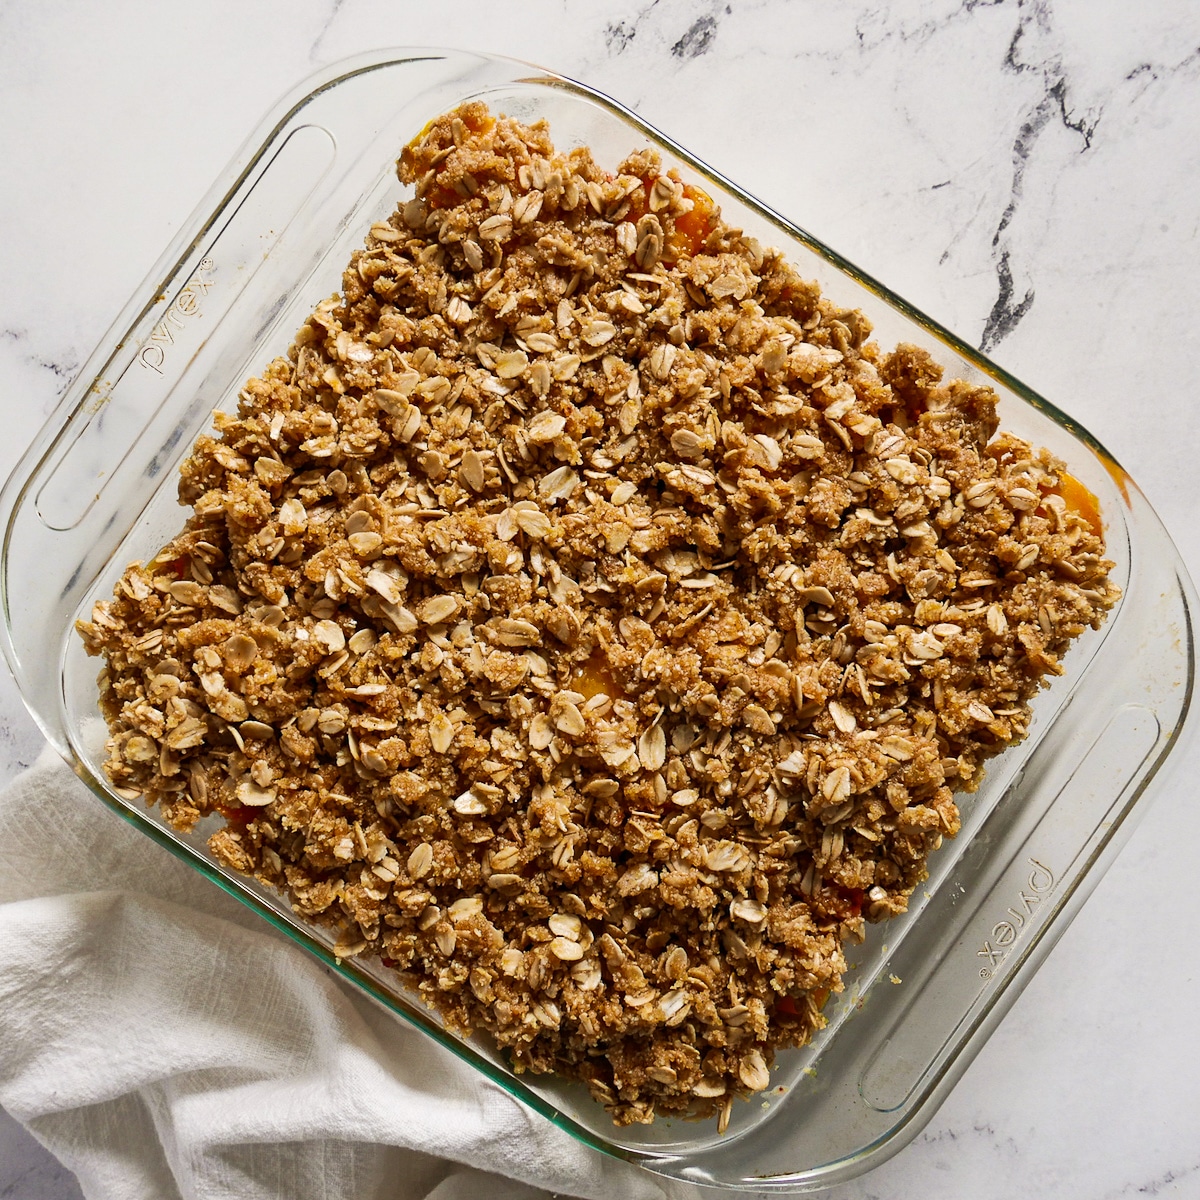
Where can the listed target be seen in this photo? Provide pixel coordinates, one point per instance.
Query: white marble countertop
(1027, 173)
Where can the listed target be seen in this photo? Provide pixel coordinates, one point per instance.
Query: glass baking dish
(97, 490)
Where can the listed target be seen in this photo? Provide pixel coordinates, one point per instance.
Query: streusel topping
(590, 621)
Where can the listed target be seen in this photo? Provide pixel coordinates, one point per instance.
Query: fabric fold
(163, 1041)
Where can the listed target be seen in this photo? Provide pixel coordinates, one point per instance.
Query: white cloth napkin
(162, 1041)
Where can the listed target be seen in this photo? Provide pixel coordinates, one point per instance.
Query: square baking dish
(97, 490)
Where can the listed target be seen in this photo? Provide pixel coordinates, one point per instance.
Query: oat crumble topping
(590, 621)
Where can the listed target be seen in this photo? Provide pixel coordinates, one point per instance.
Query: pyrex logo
(187, 304)
(1005, 933)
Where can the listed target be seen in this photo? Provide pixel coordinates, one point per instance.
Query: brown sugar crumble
(587, 619)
